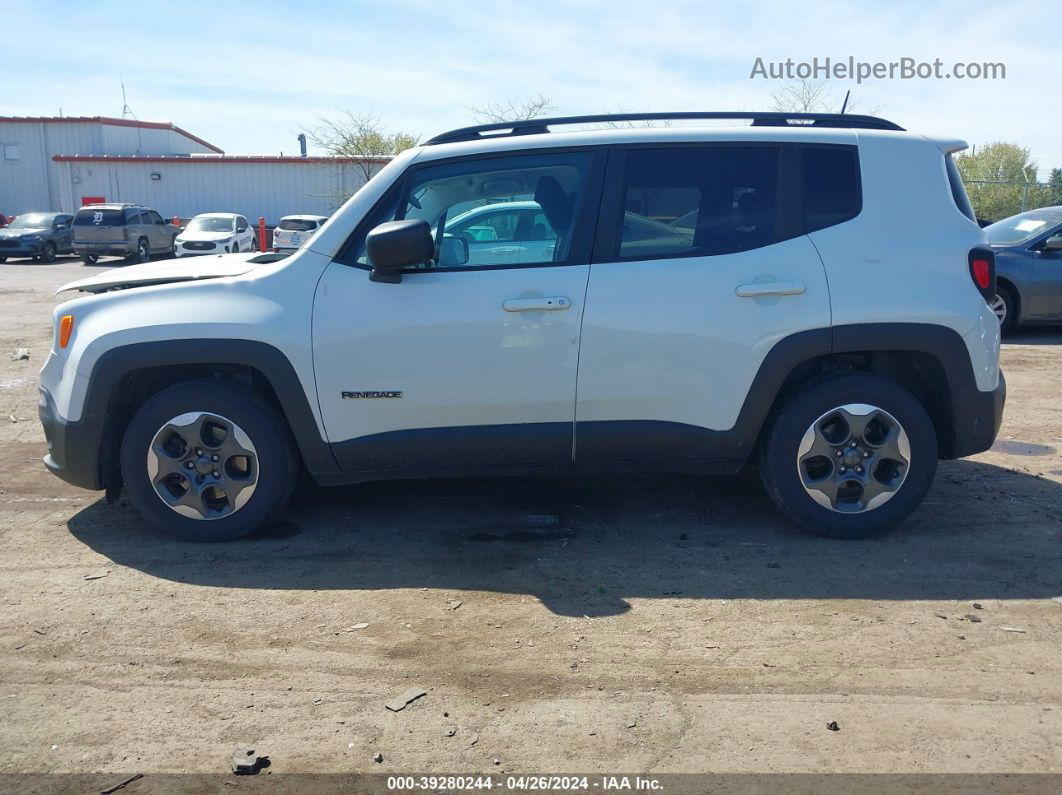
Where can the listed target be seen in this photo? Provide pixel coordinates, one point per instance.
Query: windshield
(1020, 228)
(297, 224)
(210, 225)
(31, 221)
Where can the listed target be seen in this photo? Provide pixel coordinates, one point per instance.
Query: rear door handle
(769, 288)
(552, 303)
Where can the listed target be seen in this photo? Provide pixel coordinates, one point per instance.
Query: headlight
(179, 240)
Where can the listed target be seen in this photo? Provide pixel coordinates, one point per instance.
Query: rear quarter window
(832, 188)
(98, 218)
(958, 190)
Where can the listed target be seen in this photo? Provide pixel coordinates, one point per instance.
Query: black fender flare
(119, 363)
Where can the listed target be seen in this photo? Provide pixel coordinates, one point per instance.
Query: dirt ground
(610, 624)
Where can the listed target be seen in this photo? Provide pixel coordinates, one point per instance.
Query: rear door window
(687, 201)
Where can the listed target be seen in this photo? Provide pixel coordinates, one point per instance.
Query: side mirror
(60, 226)
(453, 252)
(395, 245)
(1053, 243)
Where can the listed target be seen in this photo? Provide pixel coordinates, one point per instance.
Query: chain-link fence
(996, 199)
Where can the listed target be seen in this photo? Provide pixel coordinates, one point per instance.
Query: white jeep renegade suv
(808, 292)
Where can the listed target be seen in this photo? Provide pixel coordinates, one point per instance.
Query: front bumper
(182, 250)
(976, 419)
(73, 447)
(22, 250)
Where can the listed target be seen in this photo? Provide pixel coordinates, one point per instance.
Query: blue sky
(249, 76)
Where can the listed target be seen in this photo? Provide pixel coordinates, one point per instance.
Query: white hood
(172, 270)
(211, 237)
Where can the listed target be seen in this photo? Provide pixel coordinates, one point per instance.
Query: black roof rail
(758, 119)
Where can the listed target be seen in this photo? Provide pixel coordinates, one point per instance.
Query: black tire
(48, 252)
(779, 452)
(142, 253)
(277, 464)
(90, 259)
(1011, 305)
(3, 260)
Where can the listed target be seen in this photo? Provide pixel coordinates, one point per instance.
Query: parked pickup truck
(121, 230)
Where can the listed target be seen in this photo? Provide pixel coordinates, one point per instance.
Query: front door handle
(757, 289)
(552, 303)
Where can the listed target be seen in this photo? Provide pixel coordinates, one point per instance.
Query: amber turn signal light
(66, 328)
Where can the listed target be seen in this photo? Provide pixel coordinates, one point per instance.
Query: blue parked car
(1028, 250)
(42, 236)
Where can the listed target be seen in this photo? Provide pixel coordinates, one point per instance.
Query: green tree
(997, 177)
(1054, 188)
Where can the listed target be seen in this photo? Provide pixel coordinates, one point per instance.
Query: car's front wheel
(90, 259)
(48, 252)
(849, 456)
(208, 461)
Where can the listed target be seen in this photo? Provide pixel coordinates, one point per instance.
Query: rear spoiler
(948, 146)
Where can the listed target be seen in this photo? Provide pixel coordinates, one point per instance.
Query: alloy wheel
(999, 308)
(202, 465)
(854, 458)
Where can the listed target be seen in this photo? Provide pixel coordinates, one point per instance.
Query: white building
(61, 163)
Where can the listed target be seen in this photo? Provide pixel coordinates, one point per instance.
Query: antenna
(847, 94)
(126, 110)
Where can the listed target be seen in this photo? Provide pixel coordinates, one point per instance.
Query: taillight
(983, 271)
(125, 232)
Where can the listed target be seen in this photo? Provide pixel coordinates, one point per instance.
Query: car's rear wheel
(849, 456)
(1004, 306)
(208, 461)
(142, 253)
(90, 259)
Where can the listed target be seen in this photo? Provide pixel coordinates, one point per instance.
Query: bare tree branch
(519, 110)
(359, 136)
(807, 96)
